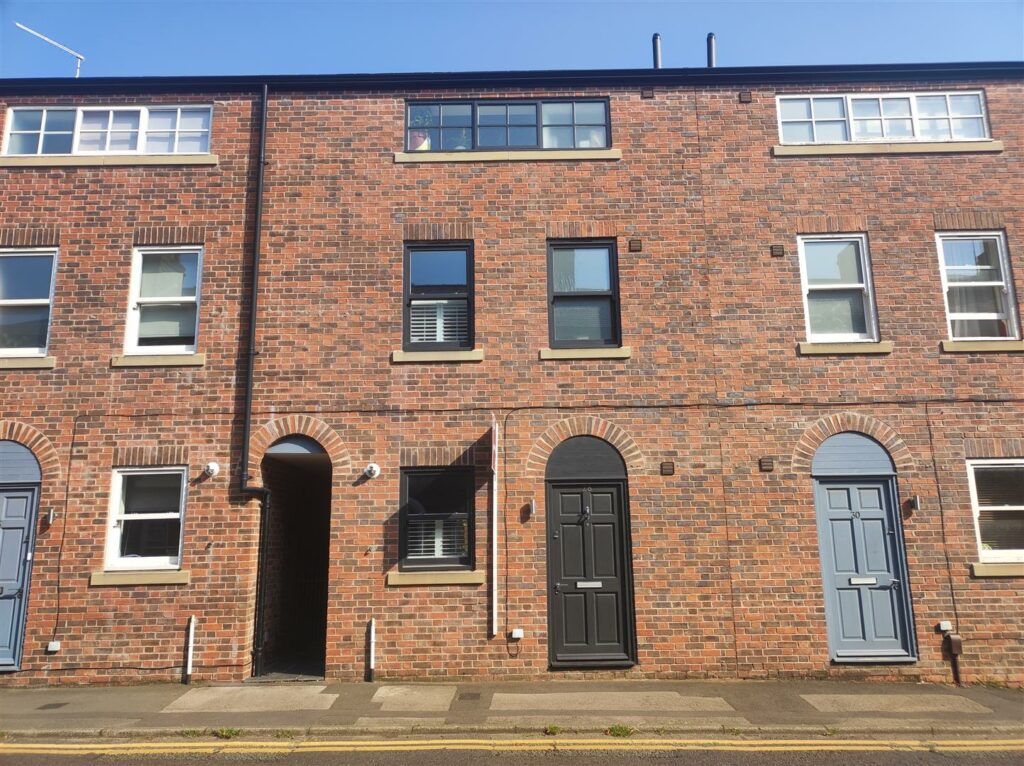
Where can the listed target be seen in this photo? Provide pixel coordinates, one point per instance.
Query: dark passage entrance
(291, 629)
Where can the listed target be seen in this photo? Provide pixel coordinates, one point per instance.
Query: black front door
(590, 610)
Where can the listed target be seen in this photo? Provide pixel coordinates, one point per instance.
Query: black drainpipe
(246, 488)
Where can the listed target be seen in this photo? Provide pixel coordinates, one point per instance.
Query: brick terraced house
(672, 373)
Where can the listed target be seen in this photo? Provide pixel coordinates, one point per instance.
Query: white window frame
(48, 302)
(992, 556)
(113, 561)
(870, 309)
(1007, 284)
(143, 128)
(131, 338)
(848, 98)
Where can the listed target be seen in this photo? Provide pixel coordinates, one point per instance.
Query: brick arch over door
(27, 436)
(301, 425)
(828, 426)
(585, 425)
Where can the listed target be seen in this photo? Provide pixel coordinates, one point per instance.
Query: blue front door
(867, 599)
(17, 524)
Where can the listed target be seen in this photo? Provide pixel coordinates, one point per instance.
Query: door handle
(894, 584)
(9, 592)
(558, 587)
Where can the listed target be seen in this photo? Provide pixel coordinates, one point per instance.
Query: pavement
(657, 708)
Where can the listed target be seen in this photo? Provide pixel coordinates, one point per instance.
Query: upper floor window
(980, 304)
(838, 301)
(108, 130)
(163, 314)
(26, 294)
(491, 125)
(997, 499)
(840, 118)
(438, 297)
(583, 294)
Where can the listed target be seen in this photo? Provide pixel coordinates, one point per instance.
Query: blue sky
(158, 37)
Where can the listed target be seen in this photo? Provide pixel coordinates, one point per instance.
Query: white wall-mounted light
(211, 469)
(372, 471)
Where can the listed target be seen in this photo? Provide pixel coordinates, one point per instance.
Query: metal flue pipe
(711, 50)
(656, 50)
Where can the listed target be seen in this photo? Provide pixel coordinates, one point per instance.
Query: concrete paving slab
(894, 724)
(587, 702)
(252, 699)
(424, 698)
(66, 701)
(367, 722)
(649, 723)
(893, 703)
(77, 723)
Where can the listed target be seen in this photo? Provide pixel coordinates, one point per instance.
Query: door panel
(17, 506)
(575, 620)
(589, 613)
(867, 606)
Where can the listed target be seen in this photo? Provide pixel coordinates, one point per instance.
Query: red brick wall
(89, 410)
(725, 557)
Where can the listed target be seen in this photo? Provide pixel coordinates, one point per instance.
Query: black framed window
(583, 294)
(438, 312)
(490, 125)
(436, 524)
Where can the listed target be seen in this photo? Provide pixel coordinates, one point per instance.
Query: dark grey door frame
(30, 546)
(625, 544)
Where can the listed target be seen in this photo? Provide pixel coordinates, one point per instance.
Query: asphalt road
(689, 758)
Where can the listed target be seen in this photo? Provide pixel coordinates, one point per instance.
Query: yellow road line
(512, 745)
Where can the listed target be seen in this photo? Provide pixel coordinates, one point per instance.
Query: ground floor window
(997, 497)
(436, 518)
(146, 514)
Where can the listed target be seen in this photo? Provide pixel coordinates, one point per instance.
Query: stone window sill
(1000, 569)
(623, 352)
(515, 156)
(109, 160)
(396, 579)
(845, 349)
(974, 346)
(406, 357)
(27, 362)
(142, 577)
(894, 147)
(159, 360)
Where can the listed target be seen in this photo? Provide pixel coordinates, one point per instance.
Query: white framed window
(163, 312)
(977, 286)
(835, 274)
(147, 512)
(997, 500)
(836, 118)
(108, 130)
(27, 278)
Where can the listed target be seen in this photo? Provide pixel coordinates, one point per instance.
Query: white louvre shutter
(442, 321)
(435, 538)
(420, 539)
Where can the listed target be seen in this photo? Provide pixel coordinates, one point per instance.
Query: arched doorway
(591, 620)
(20, 478)
(863, 560)
(291, 609)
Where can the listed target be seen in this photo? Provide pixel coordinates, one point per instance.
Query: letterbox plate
(584, 584)
(863, 581)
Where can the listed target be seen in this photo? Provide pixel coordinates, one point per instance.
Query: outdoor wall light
(372, 471)
(211, 469)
